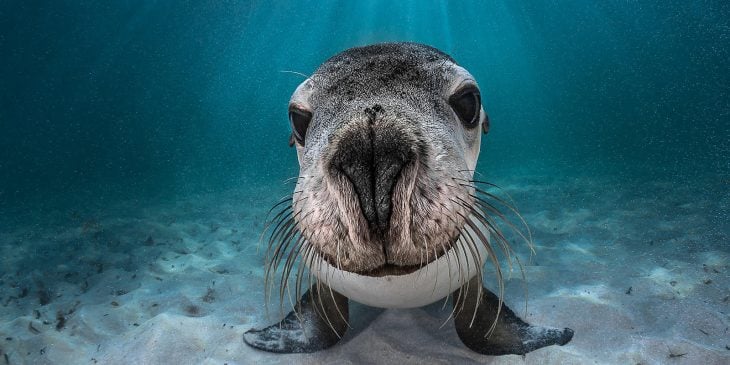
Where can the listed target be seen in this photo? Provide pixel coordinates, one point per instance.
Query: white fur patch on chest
(422, 287)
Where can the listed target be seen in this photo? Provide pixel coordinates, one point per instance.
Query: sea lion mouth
(393, 286)
(391, 270)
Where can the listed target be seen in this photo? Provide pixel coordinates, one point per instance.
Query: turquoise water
(610, 127)
(137, 98)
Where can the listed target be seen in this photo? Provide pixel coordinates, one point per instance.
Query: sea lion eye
(467, 103)
(299, 119)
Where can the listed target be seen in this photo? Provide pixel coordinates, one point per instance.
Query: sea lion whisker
(300, 240)
(294, 73)
(460, 303)
(510, 205)
(524, 281)
(435, 282)
(491, 224)
(491, 208)
(277, 240)
(307, 256)
(495, 262)
(286, 240)
(280, 247)
(321, 303)
(497, 233)
(317, 263)
(315, 260)
(287, 288)
(280, 201)
(304, 257)
(270, 268)
(420, 264)
(479, 275)
(476, 256)
(290, 200)
(277, 219)
(461, 273)
(342, 316)
(291, 256)
(284, 281)
(448, 267)
(271, 260)
(290, 220)
(283, 221)
(295, 178)
(316, 291)
(472, 180)
(486, 219)
(498, 273)
(501, 239)
(460, 294)
(457, 299)
(462, 278)
(337, 258)
(445, 251)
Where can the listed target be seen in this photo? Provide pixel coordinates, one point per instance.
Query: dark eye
(467, 103)
(299, 119)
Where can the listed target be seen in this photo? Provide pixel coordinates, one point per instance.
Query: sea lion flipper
(511, 335)
(316, 323)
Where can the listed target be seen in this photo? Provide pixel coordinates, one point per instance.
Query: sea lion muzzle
(372, 155)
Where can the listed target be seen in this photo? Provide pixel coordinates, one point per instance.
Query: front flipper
(511, 334)
(317, 322)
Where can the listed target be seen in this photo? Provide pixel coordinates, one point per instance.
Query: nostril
(353, 158)
(374, 185)
(388, 171)
(361, 179)
(371, 158)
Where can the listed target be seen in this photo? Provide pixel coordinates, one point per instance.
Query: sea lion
(386, 210)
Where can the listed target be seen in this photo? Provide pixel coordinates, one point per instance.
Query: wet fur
(402, 87)
(400, 91)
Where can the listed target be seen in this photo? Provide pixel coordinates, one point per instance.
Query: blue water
(136, 98)
(132, 102)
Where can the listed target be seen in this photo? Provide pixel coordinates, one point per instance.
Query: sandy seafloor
(639, 269)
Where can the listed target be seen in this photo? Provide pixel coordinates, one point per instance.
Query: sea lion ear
(292, 140)
(485, 124)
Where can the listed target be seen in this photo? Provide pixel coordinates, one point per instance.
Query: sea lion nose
(372, 158)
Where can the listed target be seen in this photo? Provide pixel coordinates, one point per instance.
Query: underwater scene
(364, 182)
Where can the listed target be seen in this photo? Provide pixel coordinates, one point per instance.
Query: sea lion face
(387, 138)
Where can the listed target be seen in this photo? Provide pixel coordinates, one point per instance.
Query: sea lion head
(387, 138)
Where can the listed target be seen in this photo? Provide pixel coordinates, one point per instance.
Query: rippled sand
(640, 271)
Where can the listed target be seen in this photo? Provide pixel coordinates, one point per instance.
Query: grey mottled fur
(386, 178)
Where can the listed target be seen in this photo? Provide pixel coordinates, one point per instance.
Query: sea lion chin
(386, 210)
